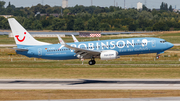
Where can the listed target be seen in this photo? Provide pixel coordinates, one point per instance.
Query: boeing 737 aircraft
(104, 49)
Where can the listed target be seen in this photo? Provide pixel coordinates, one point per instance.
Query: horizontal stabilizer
(19, 49)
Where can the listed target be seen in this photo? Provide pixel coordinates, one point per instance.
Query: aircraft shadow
(88, 82)
(126, 82)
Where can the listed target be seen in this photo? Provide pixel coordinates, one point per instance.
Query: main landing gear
(92, 62)
(157, 57)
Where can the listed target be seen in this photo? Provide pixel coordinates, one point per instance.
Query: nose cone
(170, 45)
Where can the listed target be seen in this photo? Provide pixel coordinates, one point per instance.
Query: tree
(3, 23)
(66, 11)
(104, 26)
(27, 23)
(160, 26)
(145, 8)
(2, 3)
(93, 24)
(58, 24)
(78, 24)
(70, 23)
(164, 6)
(132, 27)
(37, 25)
(45, 23)
(170, 8)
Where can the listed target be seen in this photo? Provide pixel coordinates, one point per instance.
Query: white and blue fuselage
(127, 46)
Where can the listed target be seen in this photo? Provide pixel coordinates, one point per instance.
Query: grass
(83, 94)
(4, 39)
(171, 34)
(142, 66)
(90, 73)
(125, 67)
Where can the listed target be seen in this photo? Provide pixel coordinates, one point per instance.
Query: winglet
(74, 38)
(61, 40)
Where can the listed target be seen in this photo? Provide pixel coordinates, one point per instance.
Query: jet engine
(109, 55)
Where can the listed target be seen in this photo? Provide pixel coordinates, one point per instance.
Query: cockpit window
(163, 41)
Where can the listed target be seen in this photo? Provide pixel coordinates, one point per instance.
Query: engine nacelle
(109, 55)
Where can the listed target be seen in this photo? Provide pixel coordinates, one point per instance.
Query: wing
(60, 39)
(83, 52)
(74, 38)
(80, 51)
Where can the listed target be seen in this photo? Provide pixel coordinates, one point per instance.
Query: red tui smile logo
(17, 36)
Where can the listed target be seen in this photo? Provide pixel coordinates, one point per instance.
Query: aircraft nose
(171, 45)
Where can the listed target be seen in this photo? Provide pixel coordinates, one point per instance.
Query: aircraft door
(39, 52)
(153, 43)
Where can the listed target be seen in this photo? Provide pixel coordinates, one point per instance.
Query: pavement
(176, 44)
(122, 99)
(91, 84)
(8, 45)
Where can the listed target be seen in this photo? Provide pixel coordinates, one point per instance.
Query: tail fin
(21, 36)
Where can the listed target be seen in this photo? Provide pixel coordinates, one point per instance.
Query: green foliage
(58, 24)
(93, 24)
(2, 3)
(170, 8)
(3, 23)
(92, 18)
(132, 27)
(78, 24)
(104, 26)
(160, 26)
(164, 6)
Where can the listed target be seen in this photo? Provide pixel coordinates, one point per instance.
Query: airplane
(104, 49)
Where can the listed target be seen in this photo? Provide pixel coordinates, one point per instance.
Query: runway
(88, 84)
(122, 99)
(8, 45)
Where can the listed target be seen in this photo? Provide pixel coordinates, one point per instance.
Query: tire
(94, 62)
(157, 57)
(90, 62)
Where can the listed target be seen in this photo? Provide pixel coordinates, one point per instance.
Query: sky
(103, 3)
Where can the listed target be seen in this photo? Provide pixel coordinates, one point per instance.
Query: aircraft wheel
(157, 57)
(92, 62)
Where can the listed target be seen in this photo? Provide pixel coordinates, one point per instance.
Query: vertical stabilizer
(21, 36)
